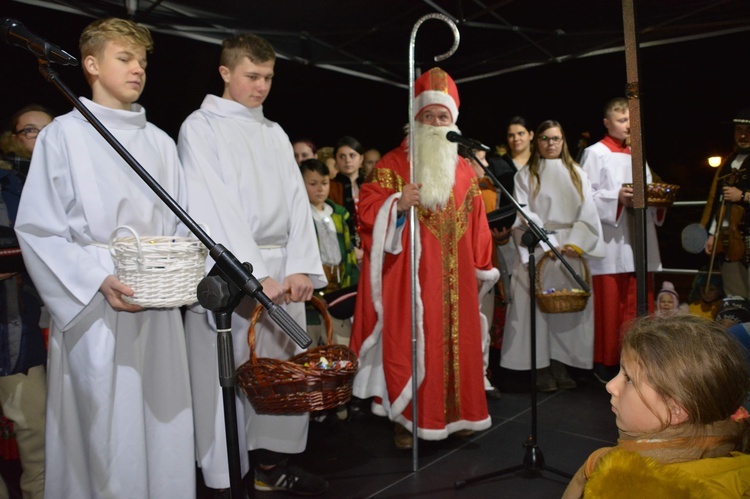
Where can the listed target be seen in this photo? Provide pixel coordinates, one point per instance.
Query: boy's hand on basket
(113, 289)
(298, 288)
(273, 290)
(569, 252)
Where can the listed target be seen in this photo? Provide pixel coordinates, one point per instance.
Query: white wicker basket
(163, 271)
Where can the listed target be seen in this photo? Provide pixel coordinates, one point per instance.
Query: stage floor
(360, 460)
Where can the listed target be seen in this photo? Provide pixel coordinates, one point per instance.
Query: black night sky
(689, 91)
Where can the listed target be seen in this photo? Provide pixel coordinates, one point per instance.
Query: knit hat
(668, 288)
(436, 87)
(735, 309)
(742, 117)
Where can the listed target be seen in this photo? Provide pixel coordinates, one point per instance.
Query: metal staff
(413, 219)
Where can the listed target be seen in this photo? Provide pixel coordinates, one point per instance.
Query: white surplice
(607, 171)
(119, 412)
(245, 186)
(567, 337)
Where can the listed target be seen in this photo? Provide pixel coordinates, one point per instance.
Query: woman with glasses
(22, 370)
(557, 196)
(17, 143)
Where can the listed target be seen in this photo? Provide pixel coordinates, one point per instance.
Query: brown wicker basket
(299, 384)
(562, 301)
(660, 194)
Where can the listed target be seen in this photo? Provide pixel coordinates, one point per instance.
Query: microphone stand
(221, 291)
(533, 461)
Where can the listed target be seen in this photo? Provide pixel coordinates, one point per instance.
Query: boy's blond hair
(616, 105)
(236, 48)
(96, 35)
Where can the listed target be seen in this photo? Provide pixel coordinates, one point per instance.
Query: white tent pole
(413, 222)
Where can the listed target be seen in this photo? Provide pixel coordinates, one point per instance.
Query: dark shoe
(605, 373)
(358, 408)
(402, 437)
(560, 373)
(291, 479)
(494, 393)
(545, 382)
(463, 433)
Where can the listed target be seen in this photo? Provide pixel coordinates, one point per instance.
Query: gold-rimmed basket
(300, 384)
(163, 271)
(564, 300)
(660, 194)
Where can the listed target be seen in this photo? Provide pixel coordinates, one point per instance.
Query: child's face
(632, 412)
(119, 74)
(317, 188)
(618, 124)
(713, 293)
(348, 161)
(248, 83)
(666, 302)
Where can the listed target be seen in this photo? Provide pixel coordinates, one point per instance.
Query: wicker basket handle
(543, 260)
(113, 236)
(316, 302)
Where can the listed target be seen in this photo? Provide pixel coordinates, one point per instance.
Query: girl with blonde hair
(557, 196)
(678, 407)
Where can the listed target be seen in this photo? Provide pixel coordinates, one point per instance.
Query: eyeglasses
(435, 119)
(28, 132)
(551, 140)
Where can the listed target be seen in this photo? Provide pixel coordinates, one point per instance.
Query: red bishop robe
(454, 250)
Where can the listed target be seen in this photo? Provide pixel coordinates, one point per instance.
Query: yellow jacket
(625, 474)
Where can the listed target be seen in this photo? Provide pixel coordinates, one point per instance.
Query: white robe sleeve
(66, 273)
(210, 202)
(605, 192)
(521, 191)
(587, 230)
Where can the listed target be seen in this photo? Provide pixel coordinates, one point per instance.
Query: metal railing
(664, 270)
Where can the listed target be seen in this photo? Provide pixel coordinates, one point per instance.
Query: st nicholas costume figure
(453, 251)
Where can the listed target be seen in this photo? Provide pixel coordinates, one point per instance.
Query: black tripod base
(532, 467)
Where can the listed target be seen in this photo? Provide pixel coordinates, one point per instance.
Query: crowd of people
(420, 248)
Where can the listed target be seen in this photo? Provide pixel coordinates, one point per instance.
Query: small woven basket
(163, 271)
(562, 301)
(298, 385)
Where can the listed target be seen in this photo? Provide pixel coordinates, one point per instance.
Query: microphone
(470, 143)
(13, 32)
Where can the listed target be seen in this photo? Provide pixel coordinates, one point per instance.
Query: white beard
(435, 160)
